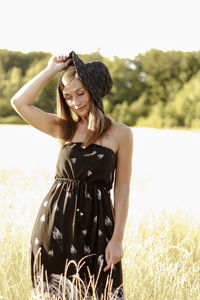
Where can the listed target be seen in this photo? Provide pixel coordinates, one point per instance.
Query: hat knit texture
(95, 76)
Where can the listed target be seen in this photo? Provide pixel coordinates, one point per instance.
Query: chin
(83, 113)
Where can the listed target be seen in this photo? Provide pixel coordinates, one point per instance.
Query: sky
(122, 28)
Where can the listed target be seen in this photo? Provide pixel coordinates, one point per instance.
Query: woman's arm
(114, 251)
(23, 99)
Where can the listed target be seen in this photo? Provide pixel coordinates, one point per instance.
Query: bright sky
(114, 27)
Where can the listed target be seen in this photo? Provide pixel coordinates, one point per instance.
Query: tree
(127, 84)
(186, 107)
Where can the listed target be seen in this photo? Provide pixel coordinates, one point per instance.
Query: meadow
(161, 244)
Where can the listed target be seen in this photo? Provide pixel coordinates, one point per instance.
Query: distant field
(162, 245)
(166, 164)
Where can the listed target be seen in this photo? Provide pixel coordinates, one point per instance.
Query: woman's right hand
(58, 63)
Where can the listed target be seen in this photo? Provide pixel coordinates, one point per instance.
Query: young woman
(77, 221)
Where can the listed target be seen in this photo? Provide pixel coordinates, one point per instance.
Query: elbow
(14, 102)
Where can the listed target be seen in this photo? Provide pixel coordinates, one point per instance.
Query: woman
(76, 221)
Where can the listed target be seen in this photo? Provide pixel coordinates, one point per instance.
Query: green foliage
(157, 118)
(12, 120)
(20, 60)
(156, 89)
(127, 84)
(46, 100)
(91, 57)
(5, 109)
(122, 113)
(186, 106)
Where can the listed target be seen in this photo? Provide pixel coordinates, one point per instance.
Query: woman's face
(77, 97)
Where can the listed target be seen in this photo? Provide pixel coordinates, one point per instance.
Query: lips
(81, 108)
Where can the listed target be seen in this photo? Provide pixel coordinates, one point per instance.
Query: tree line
(155, 89)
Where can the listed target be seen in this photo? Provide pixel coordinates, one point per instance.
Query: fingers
(61, 62)
(61, 58)
(111, 263)
(112, 256)
(108, 260)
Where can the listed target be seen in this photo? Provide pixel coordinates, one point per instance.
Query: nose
(77, 102)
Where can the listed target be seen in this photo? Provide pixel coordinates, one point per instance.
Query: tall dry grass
(161, 252)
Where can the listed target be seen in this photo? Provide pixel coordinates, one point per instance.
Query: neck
(82, 124)
(84, 121)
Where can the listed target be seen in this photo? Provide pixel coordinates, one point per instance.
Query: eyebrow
(74, 91)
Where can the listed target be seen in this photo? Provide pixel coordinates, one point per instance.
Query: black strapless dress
(76, 220)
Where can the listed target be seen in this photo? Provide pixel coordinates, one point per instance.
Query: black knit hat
(94, 76)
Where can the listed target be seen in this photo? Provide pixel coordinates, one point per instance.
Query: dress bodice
(94, 164)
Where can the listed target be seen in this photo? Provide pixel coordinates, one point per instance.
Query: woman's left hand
(113, 253)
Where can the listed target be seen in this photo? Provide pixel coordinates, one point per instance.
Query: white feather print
(87, 249)
(88, 196)
(73, 160)
(108, 221)
(100, 233)
(50, 252)
(36, 241)
(73, 249)
(84, 232)
(42, 219)
(100, 259)
(45, 203)
(57, 235)
(89, 173)
(99, 194)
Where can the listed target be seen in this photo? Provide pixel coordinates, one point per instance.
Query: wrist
(50, 73)
(117, 238)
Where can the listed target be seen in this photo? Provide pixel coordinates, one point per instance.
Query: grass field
(162, 240)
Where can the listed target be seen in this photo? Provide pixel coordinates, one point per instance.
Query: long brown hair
(98, 123)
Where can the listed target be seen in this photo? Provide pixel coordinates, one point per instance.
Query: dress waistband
(69, 179)
(72, 183)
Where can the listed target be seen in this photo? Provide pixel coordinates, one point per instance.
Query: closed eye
(67, 98)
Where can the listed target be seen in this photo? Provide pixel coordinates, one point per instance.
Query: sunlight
(166, 165)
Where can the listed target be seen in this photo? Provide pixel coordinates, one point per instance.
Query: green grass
(161, 252)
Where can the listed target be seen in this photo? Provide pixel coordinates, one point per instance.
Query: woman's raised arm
(23, 99)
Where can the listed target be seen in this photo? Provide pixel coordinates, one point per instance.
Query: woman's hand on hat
(58, 63)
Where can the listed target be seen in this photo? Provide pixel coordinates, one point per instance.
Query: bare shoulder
(123, 134)
(118, 135)
(123, 130)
